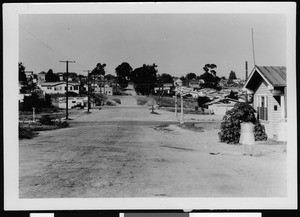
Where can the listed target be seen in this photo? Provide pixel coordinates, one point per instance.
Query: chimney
(246, 70)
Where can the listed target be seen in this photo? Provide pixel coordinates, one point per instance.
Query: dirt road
(125, 151)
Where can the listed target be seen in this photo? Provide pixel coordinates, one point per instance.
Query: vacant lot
(125, 151)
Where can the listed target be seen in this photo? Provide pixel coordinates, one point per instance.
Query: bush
(259, 132)
(46, 120)
(230, 126)
(62, 124)
(117, 100)
(142, 100)
(110, 103)
(26, 133)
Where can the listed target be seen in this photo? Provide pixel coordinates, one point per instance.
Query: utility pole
(33, 114)
(246, 68)
(175, 97)
(67, 85)
(181, 115)
(88, 92)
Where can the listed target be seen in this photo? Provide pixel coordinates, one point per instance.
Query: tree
(99, 70)
(232, 75)
(110, 77)
(34, 100)
(184, 80)
(22, 75)
(164, 79)
(51, 77)
(190, 76)
(144, 79)
(123, 72)
(210, 77)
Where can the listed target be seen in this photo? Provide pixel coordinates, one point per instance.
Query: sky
(177, 43)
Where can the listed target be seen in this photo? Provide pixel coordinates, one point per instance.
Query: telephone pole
(88, 92)
(67, 84)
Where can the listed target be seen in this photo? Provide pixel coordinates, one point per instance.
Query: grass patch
(191, 126)
(30, 130)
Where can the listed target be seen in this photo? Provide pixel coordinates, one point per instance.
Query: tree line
(144, 78)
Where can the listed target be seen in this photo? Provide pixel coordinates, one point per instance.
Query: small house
(72, 102)
(41, 77)
(59, 87)
(268, 86)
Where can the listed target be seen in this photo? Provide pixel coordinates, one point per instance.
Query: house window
(75, 87)
(71, 88)
(49, 88)
(262, 108)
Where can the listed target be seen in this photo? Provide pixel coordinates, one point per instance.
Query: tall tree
(22, 75)
(191, 76)
(164, 79)
(144, 79)
(51, 77)
(232, 75)
(210, 76)
(99, 70)
(123, 72)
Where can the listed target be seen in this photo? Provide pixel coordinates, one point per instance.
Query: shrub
(117, 100)
(62, 124)
(110, 103)
(46, 120)
(26, 133)
(141, 100)
(230, 126)
(259, 132)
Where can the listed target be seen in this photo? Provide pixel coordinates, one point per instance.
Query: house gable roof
(273, 75)
(47, 84)
(276, 75)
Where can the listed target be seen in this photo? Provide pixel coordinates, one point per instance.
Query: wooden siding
(274, 117)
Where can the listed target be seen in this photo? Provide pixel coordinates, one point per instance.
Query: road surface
(125, 151)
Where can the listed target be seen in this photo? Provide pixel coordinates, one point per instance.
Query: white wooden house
(59, 87)
(268, 86)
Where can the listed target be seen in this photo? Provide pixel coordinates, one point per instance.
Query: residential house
(59, 87)
(72, 76)
(60, 102)
(268, 86)
(167, 88)
(130, 89)
(195, 84)
(41, 77)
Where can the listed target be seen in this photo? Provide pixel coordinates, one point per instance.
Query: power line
(45, 44)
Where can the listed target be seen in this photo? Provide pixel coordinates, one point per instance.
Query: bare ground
(125, 151)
